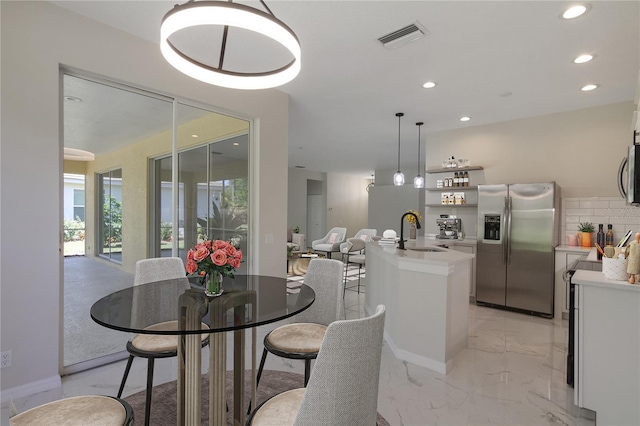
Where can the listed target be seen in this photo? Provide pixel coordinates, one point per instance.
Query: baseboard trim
(93, 363)
(32, 388)
(422, 361)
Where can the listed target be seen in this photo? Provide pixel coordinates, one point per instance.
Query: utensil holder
(615, 269)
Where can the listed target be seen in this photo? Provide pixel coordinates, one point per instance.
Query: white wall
(387, 204)
(297, 200)
(36, 38)
(580, 150)
(347, 202)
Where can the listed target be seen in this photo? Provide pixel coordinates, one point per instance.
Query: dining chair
(330, 243)
(343, 388)
(152, 346)
(302, 338)
(363, 234)
(78, 410)
(354, 253)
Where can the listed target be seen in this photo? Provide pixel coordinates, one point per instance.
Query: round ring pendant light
(227, 14)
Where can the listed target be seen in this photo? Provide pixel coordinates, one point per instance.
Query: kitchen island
(607, 367)
(425, 289)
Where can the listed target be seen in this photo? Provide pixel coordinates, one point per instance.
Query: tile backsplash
(598, 210)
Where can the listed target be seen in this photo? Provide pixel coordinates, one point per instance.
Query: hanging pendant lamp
(227, 14)
(418, 181)
(398, 177)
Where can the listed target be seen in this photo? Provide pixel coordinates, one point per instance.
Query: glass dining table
(248, 301)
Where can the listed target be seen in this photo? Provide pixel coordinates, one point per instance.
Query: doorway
(316, 211)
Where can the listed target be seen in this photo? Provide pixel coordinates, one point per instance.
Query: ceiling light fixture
(398, 177)
(582, 59)
(227, 14)
(465, 118)
(574, 11)
(589, 87)
(429, 85)
(418, 181)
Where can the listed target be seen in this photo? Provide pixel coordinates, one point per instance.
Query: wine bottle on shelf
(456, 179)
(465, 178)
(600, 240)
(608, 238)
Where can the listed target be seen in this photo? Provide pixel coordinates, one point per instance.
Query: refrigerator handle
(504, 235)
(509, 231)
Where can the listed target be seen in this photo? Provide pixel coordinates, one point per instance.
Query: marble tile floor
(511, 373)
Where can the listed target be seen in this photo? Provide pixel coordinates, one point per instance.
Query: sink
(426, 249)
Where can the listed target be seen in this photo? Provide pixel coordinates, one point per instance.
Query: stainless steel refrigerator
(517, 234)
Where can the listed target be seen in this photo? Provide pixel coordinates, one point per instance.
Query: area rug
(163, 404)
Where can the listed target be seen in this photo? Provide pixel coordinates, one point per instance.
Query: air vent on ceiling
(403, 36)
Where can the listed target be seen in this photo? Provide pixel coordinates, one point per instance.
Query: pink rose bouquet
(213, 256)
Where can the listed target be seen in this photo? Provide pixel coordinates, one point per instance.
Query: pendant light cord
(419, 125)
(399, 115)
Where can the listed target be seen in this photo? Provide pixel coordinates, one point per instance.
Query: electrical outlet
(5, 359)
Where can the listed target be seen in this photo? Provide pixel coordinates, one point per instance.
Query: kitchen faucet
(401, 242)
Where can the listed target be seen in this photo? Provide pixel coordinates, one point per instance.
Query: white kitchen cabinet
(607, 370)
(565, 256)
(468, 249)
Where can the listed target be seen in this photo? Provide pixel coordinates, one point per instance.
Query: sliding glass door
(212, 183)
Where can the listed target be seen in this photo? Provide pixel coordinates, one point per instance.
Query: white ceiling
(493, 60)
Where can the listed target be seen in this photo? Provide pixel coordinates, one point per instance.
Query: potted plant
(296, 230)
(586, 230)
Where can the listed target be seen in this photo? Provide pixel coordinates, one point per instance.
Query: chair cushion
(325, 247)
(92, 410)
(298, 338)
(333, 238)
(280, 410)
(159, 342)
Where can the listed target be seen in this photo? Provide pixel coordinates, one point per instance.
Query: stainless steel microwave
(632, 182)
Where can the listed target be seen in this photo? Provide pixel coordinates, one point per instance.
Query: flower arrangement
(211, 256)
(411, 219)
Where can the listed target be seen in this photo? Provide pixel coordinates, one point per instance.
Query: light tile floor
(511, 373)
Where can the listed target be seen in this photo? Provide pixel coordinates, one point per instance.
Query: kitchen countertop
(435, 258)
(574, 249)
(465, 241)
(597, 279)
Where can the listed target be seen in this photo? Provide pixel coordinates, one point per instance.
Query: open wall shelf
(455, 169)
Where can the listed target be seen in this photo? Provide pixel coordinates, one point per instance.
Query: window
(78, 204)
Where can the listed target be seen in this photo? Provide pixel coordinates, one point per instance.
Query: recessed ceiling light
(236, 144)
(589, 87)
(583, 58)
(72, 99)
(194, 136)
(429, 85)
(574, 11)
(465, 118)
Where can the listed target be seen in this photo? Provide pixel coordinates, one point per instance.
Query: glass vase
(412, 232)
(213, 286)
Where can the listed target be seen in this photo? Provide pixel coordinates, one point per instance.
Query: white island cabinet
(608, 348)
(426, 294)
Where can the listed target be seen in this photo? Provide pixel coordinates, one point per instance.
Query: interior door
(314, 218)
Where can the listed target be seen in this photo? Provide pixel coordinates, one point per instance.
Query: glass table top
(247, 301)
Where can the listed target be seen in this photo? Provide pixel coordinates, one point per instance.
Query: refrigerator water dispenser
(492, 227)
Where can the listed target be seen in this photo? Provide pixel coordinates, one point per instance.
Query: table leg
(189, 370)
(217, 373)
(238, 377)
